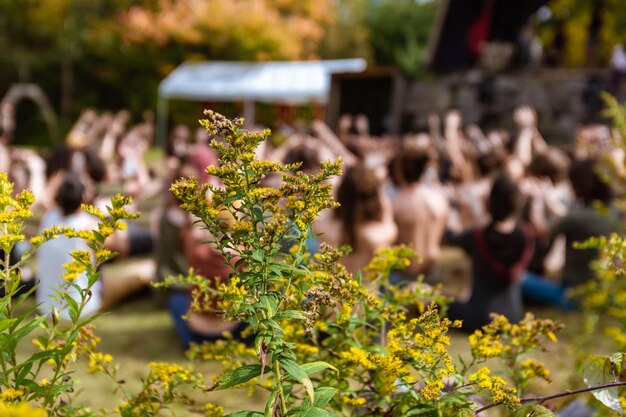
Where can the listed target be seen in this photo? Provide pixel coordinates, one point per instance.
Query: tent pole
(249, 109)
(162, 116)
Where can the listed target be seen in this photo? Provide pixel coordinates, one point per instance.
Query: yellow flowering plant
(324, 342)
(23, 388)
(603, 299)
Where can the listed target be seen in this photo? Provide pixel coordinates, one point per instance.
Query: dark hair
(306, 155)
(587, 184)
(488, 163)
(96, 167)
(413, 164)
(60, 159)
(548, 164)
(504, 198)
(359, 201)
(70, 193)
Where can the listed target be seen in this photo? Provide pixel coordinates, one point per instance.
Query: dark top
(578, 225)
(498, 261)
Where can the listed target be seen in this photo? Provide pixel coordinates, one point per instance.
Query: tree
(399, 31)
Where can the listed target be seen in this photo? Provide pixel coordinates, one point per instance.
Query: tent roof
(288, 82)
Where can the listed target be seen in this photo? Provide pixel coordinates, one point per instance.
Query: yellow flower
(432, 389)
(306, 349)
(486, 345)
(212, 410)
(353, 402)
(498, 388)
(97, 361)
(169, 373)
(358, 356)
(94, 211)
(10, 394)
(530, 368)
(20, 410)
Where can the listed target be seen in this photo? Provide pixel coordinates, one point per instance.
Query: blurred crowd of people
(514, 203)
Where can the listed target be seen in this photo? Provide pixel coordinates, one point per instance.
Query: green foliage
(325, 342)
(577, 17)
(399, 32)
(601, 370)
(603, 299)
(46, 378)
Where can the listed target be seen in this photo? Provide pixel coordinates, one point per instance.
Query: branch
(559, 395)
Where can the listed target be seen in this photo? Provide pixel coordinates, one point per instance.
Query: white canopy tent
(289, 82)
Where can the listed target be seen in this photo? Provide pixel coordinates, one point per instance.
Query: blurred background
(422, 55)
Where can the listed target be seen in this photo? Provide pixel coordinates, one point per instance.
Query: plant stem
(559, 395)
(279, 387)
(8, 309)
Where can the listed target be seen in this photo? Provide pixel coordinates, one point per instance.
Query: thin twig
(559, 395)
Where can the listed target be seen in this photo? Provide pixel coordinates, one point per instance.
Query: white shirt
(52, 255)
(618, 59)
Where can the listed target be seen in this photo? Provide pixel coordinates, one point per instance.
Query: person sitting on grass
(582, 222)
(420, 211)
(500, 253)
(364, 219)
(53, 254)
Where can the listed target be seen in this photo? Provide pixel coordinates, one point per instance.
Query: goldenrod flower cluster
(212, 410)
(169, 374)
(531, 368)
(98, 362)
(385, 368)
(497, 387)
(500, 337)
(13, 212)
(423, 342)
(11, 394)
(487, 345)
(230, 353)
(388, 259)
(234, 289)
(354, 402)
(20, 410)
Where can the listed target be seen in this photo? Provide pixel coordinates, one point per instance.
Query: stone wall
(564, 99)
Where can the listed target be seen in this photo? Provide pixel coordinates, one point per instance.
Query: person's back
(583, 221)
(364, 219)
(500, 254)
(52, 255)
(420, 211)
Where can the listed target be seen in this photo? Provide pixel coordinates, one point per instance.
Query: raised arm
(326, 135)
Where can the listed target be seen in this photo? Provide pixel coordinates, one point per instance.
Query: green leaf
(26, 367)
(419, 410)
(290, 314)
(258, 255)
(299, 374)
(311, 412)
(276, 269)
(20, 333)
(73, 306)
(534, 410)
(323, 395)
(600, 370)
(245, 414)
(269, 405)
(6, 323)
(237, 376)
(313, 367)
(270, 303)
